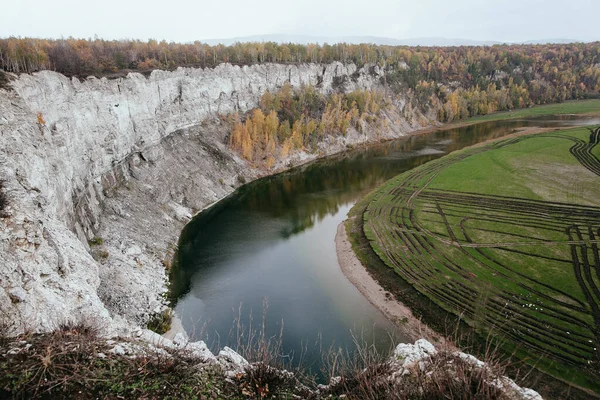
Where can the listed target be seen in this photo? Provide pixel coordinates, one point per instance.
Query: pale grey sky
(189, 20)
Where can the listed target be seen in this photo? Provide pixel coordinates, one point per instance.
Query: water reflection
(274, 238)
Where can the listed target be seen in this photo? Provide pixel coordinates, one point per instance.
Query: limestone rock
(198, 350)
(409, 354)
(17, 295)
(231, 361)
(180, 339)
(180, 213)
(127, 160)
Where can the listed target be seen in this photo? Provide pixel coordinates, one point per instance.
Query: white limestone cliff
(126, 160)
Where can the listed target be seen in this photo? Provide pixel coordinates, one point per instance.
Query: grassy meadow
(505, 236)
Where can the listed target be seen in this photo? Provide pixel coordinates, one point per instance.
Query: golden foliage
(289, 121)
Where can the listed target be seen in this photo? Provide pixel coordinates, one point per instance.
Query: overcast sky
(189, 20)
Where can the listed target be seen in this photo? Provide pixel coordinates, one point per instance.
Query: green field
(568, 107)
(505, 235)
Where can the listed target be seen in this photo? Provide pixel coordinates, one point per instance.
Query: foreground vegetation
(505, 237)
(74, 362)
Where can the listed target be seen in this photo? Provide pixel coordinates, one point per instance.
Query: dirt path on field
(384, 301)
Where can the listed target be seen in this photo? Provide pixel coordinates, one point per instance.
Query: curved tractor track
(582, 151)
(526, 270)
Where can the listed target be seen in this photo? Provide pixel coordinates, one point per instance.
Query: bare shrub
(255, 345)
(4, 81)
(264, 381)
(268, 375)
(357, 373)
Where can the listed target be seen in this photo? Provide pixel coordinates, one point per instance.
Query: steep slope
(123, 164)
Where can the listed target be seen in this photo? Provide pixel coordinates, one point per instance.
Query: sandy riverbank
(383, 300)
(394, 310)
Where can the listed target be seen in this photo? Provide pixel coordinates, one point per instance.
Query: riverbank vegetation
(516, 261)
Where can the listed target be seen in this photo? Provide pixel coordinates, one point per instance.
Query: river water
(273, 241)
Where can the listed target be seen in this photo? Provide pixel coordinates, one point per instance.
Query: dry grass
(72, 362)
(268, 375)
(254, 344)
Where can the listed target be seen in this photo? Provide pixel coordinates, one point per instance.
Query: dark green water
(274, 239)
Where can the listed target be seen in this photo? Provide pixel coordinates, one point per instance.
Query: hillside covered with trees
(467, 80)
(290, 120)
(456, 82)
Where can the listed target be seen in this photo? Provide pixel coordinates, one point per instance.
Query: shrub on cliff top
(160, 322)
(4, 81)
(96, 241)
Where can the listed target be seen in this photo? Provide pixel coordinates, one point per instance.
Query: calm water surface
(274, 239)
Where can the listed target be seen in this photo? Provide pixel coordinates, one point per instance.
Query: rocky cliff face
(127, 161)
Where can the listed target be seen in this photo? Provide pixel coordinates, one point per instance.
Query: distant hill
(305, 39)
(425, 41)
(555, 41)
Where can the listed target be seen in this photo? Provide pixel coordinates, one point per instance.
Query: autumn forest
(450, 83)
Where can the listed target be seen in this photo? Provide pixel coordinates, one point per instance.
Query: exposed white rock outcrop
(232, 362)
(413, 368)
(407, 354)
(127, 160)
(409, 358)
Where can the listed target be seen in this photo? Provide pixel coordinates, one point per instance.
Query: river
(273, 241)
